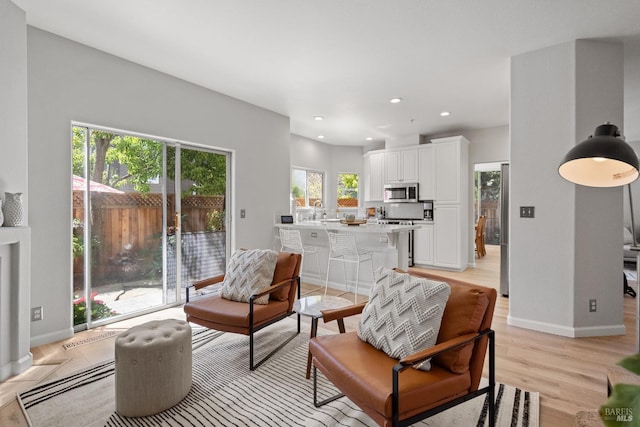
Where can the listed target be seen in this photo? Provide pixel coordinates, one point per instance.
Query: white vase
(12, 209)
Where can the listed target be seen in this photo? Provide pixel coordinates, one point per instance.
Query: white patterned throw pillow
(249, 271)
(403, 314)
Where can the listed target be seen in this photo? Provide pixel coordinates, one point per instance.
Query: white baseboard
(567, 331)
(51, 337)
(14, 367)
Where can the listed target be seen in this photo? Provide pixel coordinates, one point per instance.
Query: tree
(347, 186)
(116, 160)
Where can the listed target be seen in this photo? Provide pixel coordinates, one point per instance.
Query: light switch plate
(527, 211)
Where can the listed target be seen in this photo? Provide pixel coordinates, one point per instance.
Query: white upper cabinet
(401, 165)
(374, 176)
(451, 164)
(426, 172)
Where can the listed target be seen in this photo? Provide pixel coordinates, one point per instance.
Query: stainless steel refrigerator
(504, 229)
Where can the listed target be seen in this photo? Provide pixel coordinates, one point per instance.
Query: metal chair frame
(343, 248)
(291, 241)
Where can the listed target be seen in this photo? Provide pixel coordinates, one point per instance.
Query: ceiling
(343, 59)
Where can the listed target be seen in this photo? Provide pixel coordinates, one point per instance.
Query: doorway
(154, 221)
(486, 199)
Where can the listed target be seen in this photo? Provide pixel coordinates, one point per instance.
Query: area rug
(225, 392)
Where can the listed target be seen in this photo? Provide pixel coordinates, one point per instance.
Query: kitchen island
(389, 244)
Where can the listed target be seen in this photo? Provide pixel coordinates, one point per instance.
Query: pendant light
(602, 160)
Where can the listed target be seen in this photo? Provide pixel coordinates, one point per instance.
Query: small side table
(312, 306)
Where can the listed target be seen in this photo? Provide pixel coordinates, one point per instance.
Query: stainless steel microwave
(401, 192)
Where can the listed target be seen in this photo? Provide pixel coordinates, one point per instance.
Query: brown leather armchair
(390, 391)
(215, 312)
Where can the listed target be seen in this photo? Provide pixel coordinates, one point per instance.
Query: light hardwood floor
(570, 374)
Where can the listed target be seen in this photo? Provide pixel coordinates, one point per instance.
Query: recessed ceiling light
(395, 100)
(318, 118)
(320, 136)
(445, 113)
(369, 138)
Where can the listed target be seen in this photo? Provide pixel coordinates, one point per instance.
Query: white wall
(572, 250)
(68, 81)
(331, 159)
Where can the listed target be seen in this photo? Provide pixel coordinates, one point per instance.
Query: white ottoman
(153, 367)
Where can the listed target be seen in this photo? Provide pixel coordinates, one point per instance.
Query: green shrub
(99, 310)
(215, 220)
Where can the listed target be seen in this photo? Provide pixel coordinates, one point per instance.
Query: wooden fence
(131, 223)
(491, 210)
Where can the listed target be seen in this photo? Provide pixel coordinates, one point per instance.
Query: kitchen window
(347, 190)
(307, 187)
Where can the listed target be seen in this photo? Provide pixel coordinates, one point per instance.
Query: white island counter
(389, 244)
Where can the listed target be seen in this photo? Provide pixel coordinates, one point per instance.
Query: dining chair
(480, 249)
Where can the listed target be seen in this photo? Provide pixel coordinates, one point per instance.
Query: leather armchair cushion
(285, 268)
(364, 374)
(463, 314)
(221, 314)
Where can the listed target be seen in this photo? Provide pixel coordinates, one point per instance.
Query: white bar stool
(343, 248)
(291, 241)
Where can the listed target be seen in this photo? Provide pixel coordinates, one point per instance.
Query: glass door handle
(176, 221)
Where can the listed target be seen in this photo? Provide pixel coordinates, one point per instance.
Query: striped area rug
(225, 393)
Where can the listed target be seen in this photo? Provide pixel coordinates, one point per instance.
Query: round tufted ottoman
(153, 367)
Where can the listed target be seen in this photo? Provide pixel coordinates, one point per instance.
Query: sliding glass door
(197, 238)
(154, 216)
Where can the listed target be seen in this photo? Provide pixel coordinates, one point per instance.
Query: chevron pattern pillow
(403, 314)
(249, 271)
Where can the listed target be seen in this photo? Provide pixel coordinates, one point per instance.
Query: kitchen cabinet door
(447, 166)
(426, 172)
(451, 170)
(409, 159)
(423, 245)
(401, 166)
(392, 166)
(447, 232)
(374, 176)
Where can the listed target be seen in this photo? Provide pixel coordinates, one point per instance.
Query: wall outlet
(593, 305)
(382, 240)
(36, 314)
(314, 234)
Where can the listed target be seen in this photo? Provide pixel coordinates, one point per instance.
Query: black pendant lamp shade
(602, 160)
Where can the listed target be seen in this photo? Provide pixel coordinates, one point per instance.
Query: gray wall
(68, 81)
(558, 96)
(632, 90)
(13, 101)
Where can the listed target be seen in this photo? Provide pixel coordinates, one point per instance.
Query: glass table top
(313, 305)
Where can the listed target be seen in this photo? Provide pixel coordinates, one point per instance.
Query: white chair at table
(343, 248)
(291, 241)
